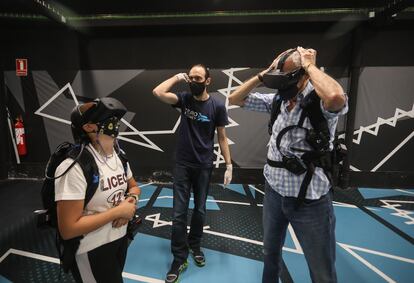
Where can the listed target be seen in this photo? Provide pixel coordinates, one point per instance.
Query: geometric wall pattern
(148, 129)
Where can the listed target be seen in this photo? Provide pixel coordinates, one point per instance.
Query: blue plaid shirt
(280, 179)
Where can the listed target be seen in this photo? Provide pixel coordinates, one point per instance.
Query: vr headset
(102, 109)
(276, 79)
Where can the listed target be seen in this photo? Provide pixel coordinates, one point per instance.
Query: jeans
(186, 178)
(314, 226)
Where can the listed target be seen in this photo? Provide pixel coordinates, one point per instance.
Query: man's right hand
(182, 77)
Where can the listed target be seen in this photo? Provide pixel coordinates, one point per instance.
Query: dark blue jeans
(185, 179)
(314, 226)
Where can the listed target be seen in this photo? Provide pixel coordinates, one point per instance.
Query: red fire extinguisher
(20, 137)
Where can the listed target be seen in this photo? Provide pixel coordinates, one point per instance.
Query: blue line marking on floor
(368, 193)
(289, 241)
(358, 229)
(253, 192)
(296, 264)
(397, 221)
(238, 188)
(146, 193)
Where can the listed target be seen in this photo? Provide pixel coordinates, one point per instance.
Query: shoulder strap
(122, 156)
(312, 109)
(276, 103)
(90, 171)
(124, 160)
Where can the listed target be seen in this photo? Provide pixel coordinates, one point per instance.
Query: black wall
(63, 52)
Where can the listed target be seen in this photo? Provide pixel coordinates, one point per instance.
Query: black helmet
(102, 109)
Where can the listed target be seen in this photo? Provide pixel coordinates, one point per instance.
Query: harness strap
(305, 183)
(311, 160)
(276, 164)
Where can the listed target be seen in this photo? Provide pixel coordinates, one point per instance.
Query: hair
(206, 70)
(295, 56)
(77, 122)
(85, 107)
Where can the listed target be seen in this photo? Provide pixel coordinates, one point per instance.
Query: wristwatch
(135, 196)
(260, 77)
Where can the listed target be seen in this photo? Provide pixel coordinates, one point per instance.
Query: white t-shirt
(110, 192)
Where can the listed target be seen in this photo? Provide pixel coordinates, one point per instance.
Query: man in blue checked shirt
(295, 78)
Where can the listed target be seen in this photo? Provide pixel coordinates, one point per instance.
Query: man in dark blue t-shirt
(201, 115)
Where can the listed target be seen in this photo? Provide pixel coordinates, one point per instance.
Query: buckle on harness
(294, 165)
(318, 140)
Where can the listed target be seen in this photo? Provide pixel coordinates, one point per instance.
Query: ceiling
(158, 12)
(95, 7)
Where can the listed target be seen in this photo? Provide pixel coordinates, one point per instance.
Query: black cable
(73, 163)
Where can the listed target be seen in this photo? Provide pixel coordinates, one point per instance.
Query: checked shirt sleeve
(261, 102)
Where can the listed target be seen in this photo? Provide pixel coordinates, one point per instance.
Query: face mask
(288, 93)
(109, 127)
(197, 89)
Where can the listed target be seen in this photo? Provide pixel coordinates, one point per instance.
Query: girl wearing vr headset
(102, 223)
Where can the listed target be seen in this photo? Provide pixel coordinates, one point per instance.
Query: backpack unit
(67, 248)
(90, 170)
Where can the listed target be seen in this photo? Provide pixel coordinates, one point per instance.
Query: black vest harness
(317, 137)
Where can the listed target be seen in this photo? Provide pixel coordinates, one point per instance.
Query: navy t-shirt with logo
(199, 120)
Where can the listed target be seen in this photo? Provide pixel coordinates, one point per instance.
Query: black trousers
(103, 264)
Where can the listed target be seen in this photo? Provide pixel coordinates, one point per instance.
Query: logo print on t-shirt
(113, 182)
(116, 197)
(193, 115)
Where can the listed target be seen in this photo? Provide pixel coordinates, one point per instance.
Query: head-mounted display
(276, 79)
(101, 110)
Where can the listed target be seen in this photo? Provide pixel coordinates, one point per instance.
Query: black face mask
(197, 89)
(109, 127)
(289, 92)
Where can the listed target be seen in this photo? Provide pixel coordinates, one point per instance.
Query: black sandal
(175, 270)
(198, 257)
